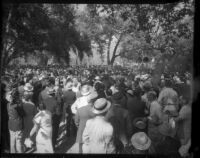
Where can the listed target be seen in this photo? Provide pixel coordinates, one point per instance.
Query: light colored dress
(44, 135)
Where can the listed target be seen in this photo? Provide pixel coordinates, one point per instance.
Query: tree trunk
(4, 52)
(108, 51)
(115, 49)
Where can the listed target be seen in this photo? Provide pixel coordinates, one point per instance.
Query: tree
(24, 30)
(37, 28)
(63, 35)
(105, 25)
(164, 32)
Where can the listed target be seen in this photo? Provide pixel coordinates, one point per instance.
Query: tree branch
(108, 49)
(115, 49)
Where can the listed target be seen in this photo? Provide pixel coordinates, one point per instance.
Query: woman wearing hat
(43, 129)
(98, 133)
(30, 111)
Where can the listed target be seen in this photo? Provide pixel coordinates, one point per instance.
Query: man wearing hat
(146, 88)
(83, 114)
(69, 98)
(141, 143)
(98, 133)
(135, 106)
(86, 91)
(155, 117)
(120, 119)
(47, 97)
(29, 109)
(21, 88)
(183, 121)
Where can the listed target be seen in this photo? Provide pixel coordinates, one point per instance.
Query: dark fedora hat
(140, 123)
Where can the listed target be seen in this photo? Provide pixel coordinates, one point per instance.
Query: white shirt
(80, 102)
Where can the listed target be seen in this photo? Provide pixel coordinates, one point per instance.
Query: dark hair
(28, 96)
(109, 92)
(168, 83)
(42, 106)
(15, 96)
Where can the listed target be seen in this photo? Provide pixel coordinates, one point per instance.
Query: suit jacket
(98, 136)
(50, 102)
(120, 119)
(83, 114)
(135, 107)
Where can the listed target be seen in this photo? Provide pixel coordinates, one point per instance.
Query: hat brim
(68, 88)
(138, 126)
(86, 93)
(28, 90)
(95, 111)
(139, 146)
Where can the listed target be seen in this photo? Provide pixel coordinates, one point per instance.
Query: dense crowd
(108, 110)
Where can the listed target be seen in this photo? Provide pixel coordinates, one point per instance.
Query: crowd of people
(108, 110)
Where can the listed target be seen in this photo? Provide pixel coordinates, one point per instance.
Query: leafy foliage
(38, 27)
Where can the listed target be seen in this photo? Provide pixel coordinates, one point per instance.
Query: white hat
(101, 105)
(97, 78)
(140, 141)
(86, 90)
(130, 92)
(28, 87)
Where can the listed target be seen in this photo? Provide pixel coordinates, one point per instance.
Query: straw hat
(86, 90)
(28, 87)
(51, 91)
(130, 92)
(97, 78)
(140, 141)
(101, 105)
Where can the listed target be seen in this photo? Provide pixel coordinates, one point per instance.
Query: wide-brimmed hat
(129, 92)
(101, 105)
(139, 122)
(51, 91)
(141, 141)
(28, 87)
(86, 90)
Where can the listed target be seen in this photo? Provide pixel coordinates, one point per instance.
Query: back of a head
(137, 92)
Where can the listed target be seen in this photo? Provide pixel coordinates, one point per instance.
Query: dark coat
(51, 103)
(69, 97)
(83, 114)
(120, 119)
(135, 107)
